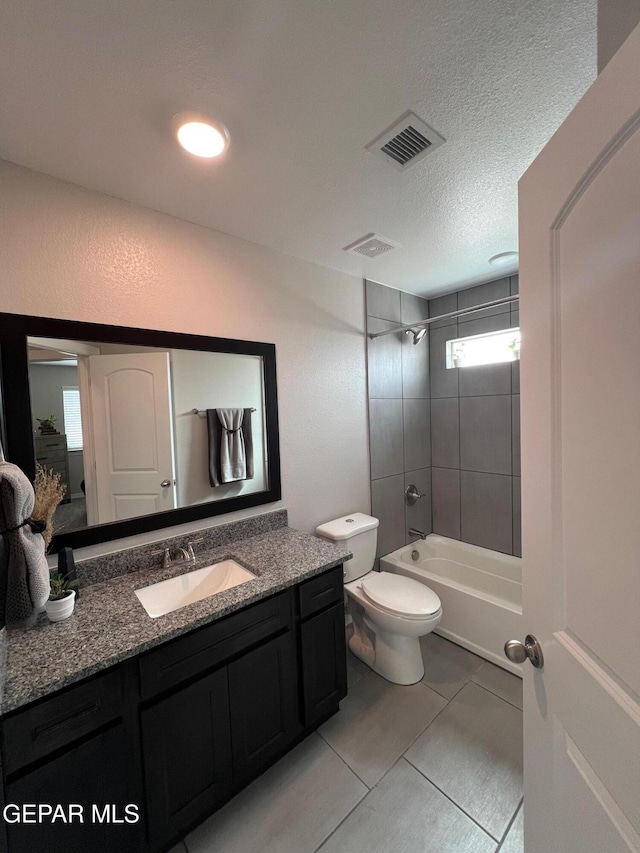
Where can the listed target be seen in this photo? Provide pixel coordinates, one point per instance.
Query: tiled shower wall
(475, 427)
(399, 416)
(454, 434)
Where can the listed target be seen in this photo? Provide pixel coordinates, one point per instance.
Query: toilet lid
(404, 596)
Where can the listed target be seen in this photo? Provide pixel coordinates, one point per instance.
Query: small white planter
(62, 608)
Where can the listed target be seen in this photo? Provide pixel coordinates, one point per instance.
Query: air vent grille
(406, 145)
(406, 142)
(371, 245)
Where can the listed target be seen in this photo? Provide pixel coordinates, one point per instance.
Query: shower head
(417, 336)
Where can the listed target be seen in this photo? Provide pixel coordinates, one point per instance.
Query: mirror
(146, 429)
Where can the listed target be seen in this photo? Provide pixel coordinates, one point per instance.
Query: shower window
(489, 348)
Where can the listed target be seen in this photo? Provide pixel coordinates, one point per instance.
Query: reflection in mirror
(120, 427)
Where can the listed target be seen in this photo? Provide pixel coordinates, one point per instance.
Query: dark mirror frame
(17, 425)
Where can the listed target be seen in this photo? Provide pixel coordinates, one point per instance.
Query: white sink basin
(165, 596)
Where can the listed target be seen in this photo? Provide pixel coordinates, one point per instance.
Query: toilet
(390, 612)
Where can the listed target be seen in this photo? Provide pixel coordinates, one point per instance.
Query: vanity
(118, 730)
(197, 704)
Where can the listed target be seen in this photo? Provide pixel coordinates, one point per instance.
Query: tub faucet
(414, 532)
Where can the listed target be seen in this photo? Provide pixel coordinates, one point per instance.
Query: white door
(580, 393)
(132, 434)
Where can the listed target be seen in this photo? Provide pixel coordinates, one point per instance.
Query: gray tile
(447, 667)
(443, 305)
(485, 434)
(384, 361)
(515, 284)
(485, 378)
(480, 324)
(376, 723)
(517, 521)
(473, 753)
(291, 808)
(417, 434)
(444, 383)
(386, 438)
(515, 435)
(415, 367)
(418, 515)
(387, 504)
(355, 670)
(406, 814)
(497, 289)
(413, 308)
(445, 433)
(515, 377)
(486, 510)
(445, 501)
(382, 302)
(514, 842)
(504, 684)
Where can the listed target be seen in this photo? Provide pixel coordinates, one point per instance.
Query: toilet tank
(359, 533)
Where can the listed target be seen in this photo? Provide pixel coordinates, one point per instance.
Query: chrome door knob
(165, 484)
(518, 652)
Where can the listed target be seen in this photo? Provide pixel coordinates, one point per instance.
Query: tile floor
(431, 768)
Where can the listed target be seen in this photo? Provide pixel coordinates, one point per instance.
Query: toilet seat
(400, 596)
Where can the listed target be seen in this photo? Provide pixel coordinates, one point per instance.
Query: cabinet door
(97, 773)
(324, 663)
(187, 756)
(264, 705)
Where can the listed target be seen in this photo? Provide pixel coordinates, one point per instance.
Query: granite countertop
(109, 623)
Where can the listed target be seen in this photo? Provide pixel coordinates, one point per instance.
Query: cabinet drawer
(188, 656)
(35, 732)
(54, 442)
(50, 457)
(321, 591)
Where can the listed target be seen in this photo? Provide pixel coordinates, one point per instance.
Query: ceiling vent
(404, 143)
(371, 245)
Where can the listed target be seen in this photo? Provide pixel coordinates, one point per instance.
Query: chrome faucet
(414, 532)
(183, 556)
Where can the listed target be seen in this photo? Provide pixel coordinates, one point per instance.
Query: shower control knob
(518, 652)
(411, 495)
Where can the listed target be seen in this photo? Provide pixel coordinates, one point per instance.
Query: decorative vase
(61, 608)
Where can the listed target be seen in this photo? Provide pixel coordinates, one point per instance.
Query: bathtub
(480, 591)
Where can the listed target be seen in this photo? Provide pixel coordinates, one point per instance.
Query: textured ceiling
(88, 91)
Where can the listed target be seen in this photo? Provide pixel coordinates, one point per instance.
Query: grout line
(497, 695)
(511, 822)
(451, 800)
(359, 803)
(344, 761)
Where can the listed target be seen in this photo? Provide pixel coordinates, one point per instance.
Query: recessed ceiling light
(199, 135)
(504, 259)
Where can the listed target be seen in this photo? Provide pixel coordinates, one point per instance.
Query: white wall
(71, 253)
(212, 380)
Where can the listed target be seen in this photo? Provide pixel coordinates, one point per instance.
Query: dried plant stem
(49, 492)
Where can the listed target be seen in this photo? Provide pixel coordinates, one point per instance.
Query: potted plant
(48, 425)
(61, 598)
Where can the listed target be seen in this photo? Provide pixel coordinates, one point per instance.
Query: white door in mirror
(166, 596)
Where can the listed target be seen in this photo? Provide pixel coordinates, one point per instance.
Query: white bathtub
(480, 591)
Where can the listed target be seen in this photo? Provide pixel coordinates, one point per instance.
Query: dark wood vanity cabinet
(180, 729)
(72, 748)
(322, 644)
(187, 756)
